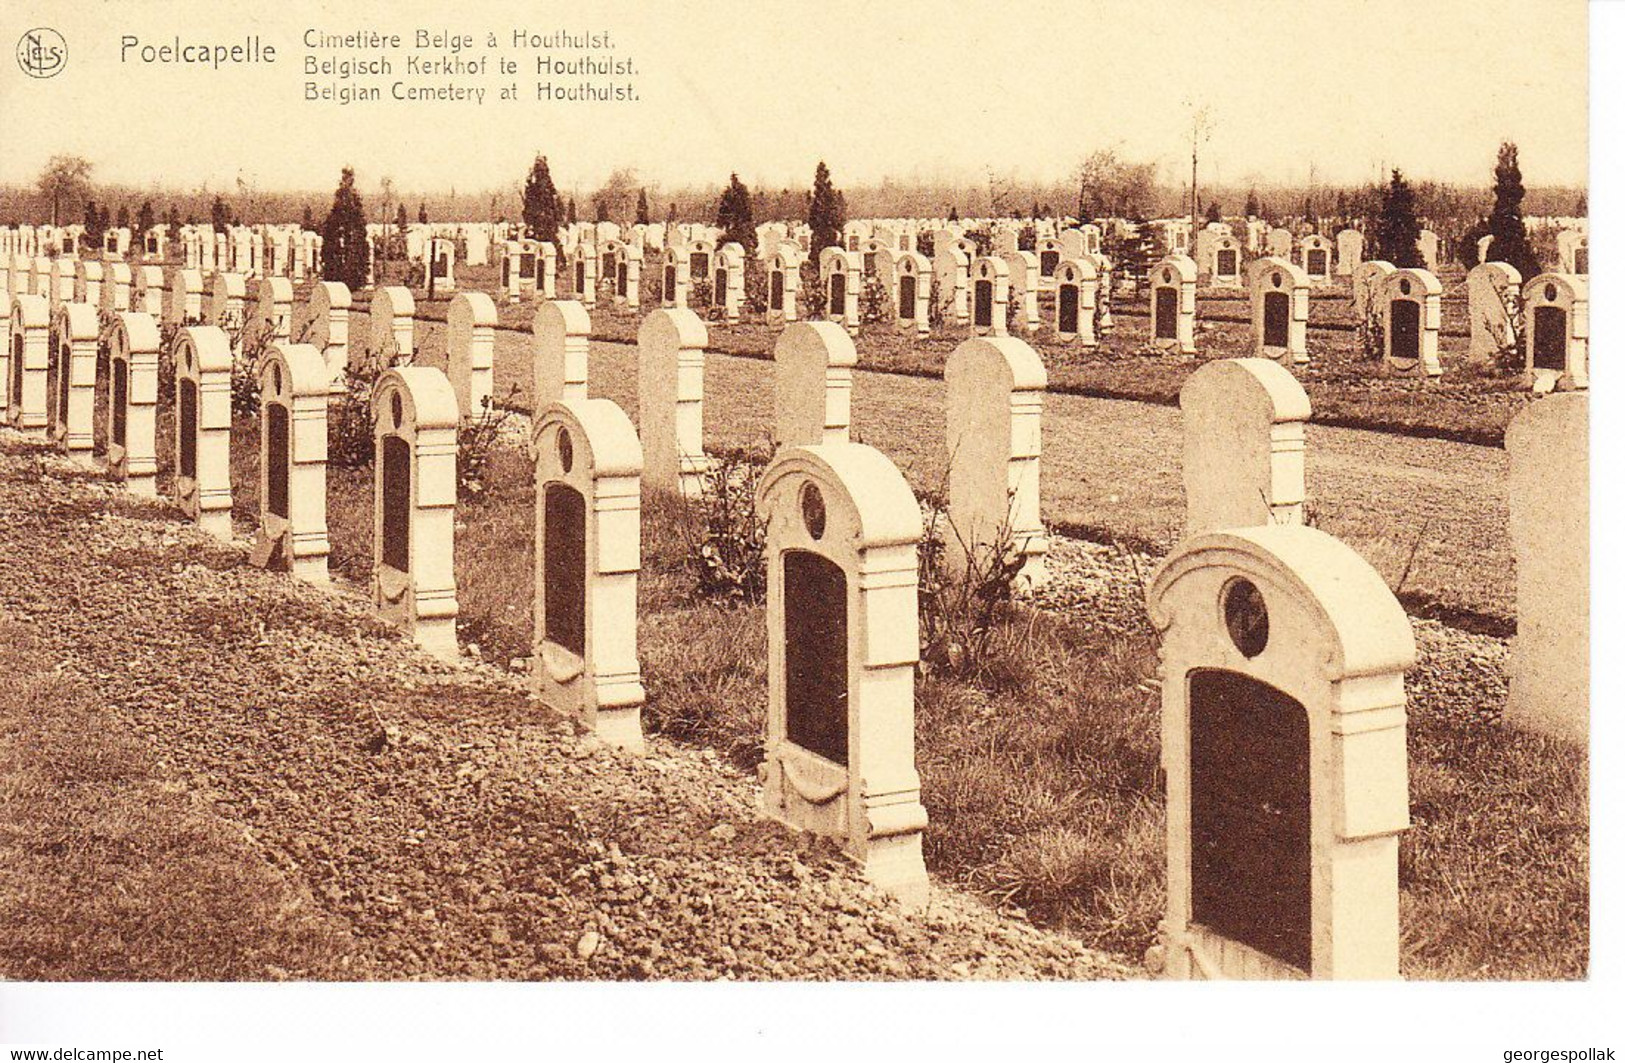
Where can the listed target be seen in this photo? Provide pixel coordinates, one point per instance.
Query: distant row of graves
(1283, 653)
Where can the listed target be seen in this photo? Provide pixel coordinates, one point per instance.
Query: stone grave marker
(585, 659)
(951, 268)
(674, 278)
(812, 384)
(671, 394)
(1076, 285)
(560, 333)
(1350, 251)
(1493, 289)
(1370, 277)
(912, 272)
(843, 639)
(1549, 505)
(148, 294)
(1315, 252)
(1024, 288)
(1411, 322)
(995, 391)
(116, 290)
(842, 287)
(72, 367)
(202, 355)
(990, 296)
(389, 328)
(29, 394)
(784, 284)
(1283, 656)
(471, 322)
(132, 401)
(325, 325)
(415, 501)
(6, 399)
(1244, 445)
(292, 534)
(1557, 323)
(1173, 304)
(87, 287)
(1280, 298)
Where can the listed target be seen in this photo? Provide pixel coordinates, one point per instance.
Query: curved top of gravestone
(1420, 278)
(675, 327)
(135, 333)
(1014, 359)
(77, 321)
(277, 289)
(1567, 288)
(788, 256)
(1075, 270)
(119, 272)
(306, 369)
(90, 270)
(910, 262)
(854, 478)
(394, 300)
(1315, 240)
(601, 435)
(1176, 267)
(825, 337)
(565, 317)
(1374, 265)
(989, 267)
(334, 294)
(209, 344)
(472, 310)
(227, 285)
(833, 256)
(1365, 629)
(1259, 270)
(426, 391)
(1495, 272)
(192, 279)
(1238, 385)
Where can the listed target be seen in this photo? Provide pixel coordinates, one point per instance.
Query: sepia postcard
(516, 518)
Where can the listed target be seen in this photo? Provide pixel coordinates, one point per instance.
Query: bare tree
(1201, 133)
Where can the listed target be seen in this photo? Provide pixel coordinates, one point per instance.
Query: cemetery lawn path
(1429, 514)
(271, 784)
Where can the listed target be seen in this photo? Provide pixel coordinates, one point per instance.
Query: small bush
(962, 609)
(477, 440)
(874, 302)
(349, 420)
(730, 557)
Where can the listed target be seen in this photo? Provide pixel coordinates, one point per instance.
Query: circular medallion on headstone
(812, 510)
(1245, 617)
(395, 409)
(1551, 292)
(1404, 287)
(567, 450)
(1276, 278)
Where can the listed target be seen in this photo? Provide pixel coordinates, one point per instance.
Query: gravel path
(1431, 515)
(451, 828)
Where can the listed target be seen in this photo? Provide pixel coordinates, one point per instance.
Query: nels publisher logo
(42, 53)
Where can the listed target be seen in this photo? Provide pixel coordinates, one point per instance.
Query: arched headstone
(470, 348)
(1557, 321)
(995, 391)
(87, 285)
(951, 268)
(132, 400)
(1280, 298)
(812, 384)
(1244, 445)
(1076, 285)
(6, 399)
(1315, 252)
(1023, 272)
(783, 284)
(1350, 251)
(116, 290)
(671, 396)
(415, 500)
(843, 639)
(674, 279)
(842, 287)
(389, 328)
(560, 332)
(1492, 304)
(1411, 322)
(1369, 278)
(325, 325)
(912, 274)
(202, 356)
(1283, 744)
(273, 311)
(1549, 504)
(1173, 304)
(585, 659)
(990, 296)
(292, 535)
(72, 368)
(29, 393)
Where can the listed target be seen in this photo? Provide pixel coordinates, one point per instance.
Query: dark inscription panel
(775, 297)
(1047, 261)
(58, 364)
(1227, 263)
(815, 695)
(1167, 313)
(1277, 313)
(669, 288)
(1551, 337)
(984, 304)
(837, 295)
(186, 400)
(1250, 814)
(17, 368)
(698, 265)
(397, 474)
(719, 289)
(1317, 263)
(564, 568)
(1068, 308)
(581, 277)
(907, 287)
(1406, 321)
(277, 455)
(121, 400)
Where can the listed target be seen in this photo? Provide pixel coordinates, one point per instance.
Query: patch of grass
(109, 870)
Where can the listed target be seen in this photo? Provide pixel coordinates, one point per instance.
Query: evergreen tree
(219, 216)
(124, 216)
(643, 207)
(1253, 209)
(671, 214)
(1396, 229)
(143, 218)
(344, 236)
(308, 222)
(826, 212)
(600, 210)
(399, 250)
(953, 213)
(423, 213)
(571, 218)
(1582, 206)
(172, 222)
(95, 224)
(1213, 212)
(540, 212)
(734, 215)
(1510, 238)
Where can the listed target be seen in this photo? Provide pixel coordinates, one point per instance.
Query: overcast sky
(879, 89)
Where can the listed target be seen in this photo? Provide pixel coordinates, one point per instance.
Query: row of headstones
(268, 250)
(1277, 640)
